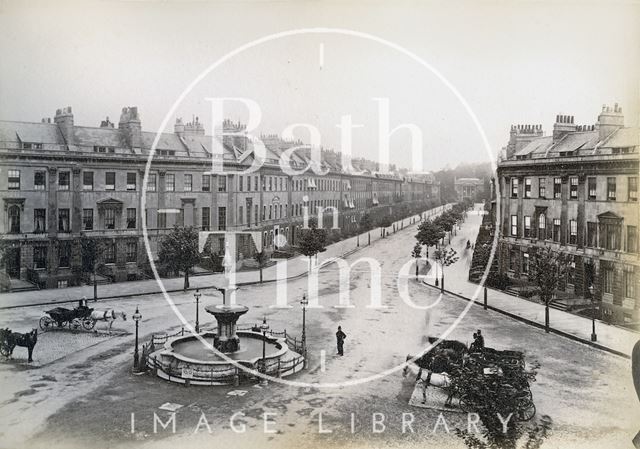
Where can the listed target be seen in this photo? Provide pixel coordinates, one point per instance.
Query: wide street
(587, 392)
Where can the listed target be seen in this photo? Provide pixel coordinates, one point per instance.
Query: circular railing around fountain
(171, 365)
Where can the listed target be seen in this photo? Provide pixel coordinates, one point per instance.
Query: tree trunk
(416, 269)
(546, 316)
(95, 284)
(442, 282)
(261, 274)
(186, 280)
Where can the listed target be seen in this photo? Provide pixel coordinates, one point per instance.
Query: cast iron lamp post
(264, 327)
(137, 316)
(197, 295)
(304, 302)
(594, 336)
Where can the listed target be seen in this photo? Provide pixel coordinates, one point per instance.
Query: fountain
(185, 359)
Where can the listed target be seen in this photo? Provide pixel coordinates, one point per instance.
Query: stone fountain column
(226, 314)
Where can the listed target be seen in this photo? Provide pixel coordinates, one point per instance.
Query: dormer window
(101, 149)
(31, 146)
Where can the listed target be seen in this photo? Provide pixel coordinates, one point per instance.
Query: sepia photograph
(319, 224)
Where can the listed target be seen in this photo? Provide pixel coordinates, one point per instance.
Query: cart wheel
(4, 350)
(45, 323)
(464, 404)
(88, 323)
(526, 410)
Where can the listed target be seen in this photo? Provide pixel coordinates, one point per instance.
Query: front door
(13, 262)
(276, 232)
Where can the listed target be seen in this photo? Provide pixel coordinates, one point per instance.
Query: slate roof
(623, 138)
(30, 132)
(90, 137)
(583, 143)
(85, 138)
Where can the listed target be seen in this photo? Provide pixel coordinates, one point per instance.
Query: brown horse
(9, 340)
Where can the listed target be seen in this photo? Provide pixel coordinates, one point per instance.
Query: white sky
(513, 62)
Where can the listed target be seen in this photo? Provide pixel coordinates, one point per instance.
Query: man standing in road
(480, 340)
(340, 336)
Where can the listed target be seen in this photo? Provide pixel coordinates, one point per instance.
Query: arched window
(14, 219)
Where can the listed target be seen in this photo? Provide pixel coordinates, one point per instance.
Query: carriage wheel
(45, 323)
(465, 404)
(4, 350)
(526, 410)
(88, 323)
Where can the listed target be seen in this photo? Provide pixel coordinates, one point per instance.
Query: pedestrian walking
(424, 384)
(340, 336)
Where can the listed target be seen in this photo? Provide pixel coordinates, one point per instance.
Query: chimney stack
(564, 125)
(609, 120)
(178, 128)
(131, 126)
(64, 120)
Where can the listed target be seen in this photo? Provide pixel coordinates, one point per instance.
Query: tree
(90, 253)
(416, 254)
(366, 223)
(445, 257)
(547, 269)
(446, 221)
(429, 234)
(312, 240)
(179, 251)
(384, 223)
(261, 257)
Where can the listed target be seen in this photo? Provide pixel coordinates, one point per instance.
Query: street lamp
(137, 316)
(594, 336)
(264, 327)
(197, 295)
(304, 302)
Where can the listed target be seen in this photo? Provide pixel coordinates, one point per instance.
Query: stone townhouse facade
(575, 191)
(60, 182)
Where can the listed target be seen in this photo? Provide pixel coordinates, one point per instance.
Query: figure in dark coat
(480, 340)
(340, 336)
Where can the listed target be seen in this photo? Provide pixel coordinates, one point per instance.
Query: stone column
(564, 211)
(76, 201)
(52, 207)
(581, 211)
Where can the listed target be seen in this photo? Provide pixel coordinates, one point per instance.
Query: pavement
(609, 337)
(295, 267)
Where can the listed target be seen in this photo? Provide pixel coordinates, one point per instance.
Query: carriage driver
(82, 304)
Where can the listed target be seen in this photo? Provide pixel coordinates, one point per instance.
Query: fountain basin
(185, 359)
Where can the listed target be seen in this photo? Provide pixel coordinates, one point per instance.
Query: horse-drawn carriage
(475, 377)
(72, 318)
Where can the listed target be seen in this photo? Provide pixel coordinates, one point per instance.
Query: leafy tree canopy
(546, 269)
(179, 249)
(429, 233)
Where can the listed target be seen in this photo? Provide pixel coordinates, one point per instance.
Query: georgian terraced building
(60, 181)
(575, 191)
